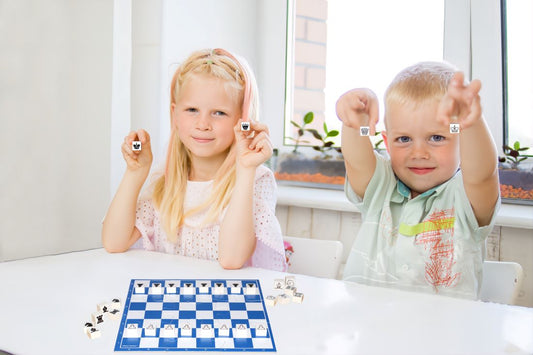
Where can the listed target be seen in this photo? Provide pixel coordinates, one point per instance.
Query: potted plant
(322, 165)
(516, 176)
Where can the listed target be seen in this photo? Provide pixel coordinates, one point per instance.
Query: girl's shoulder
(263, 172)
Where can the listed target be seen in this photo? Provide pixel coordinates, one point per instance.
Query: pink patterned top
(201, 242)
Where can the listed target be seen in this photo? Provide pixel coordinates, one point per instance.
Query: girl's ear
(172, 109)
(173, 115)
(385, 140)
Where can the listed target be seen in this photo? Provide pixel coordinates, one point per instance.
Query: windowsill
(517, 216)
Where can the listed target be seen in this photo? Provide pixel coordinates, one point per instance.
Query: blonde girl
(215, 200)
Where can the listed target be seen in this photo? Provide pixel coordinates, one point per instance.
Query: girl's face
(205, 114)
(422, 151)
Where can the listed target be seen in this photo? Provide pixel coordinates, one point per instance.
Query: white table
(45, 301)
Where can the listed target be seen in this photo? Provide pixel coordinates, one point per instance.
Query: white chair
(315, 257)
(501, 281)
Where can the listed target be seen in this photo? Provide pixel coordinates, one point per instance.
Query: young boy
(427, 210)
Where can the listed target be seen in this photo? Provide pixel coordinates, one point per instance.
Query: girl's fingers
(144, 137)
(259, 138)
(137, 158)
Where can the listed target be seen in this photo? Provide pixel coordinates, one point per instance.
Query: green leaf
(308, 118)
(516, 145)
(315, 133)
(522, 149)
(295, 124)
(333, 133)
(325, 129)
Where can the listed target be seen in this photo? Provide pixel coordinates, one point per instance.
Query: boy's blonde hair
(169, 190)
(419, 83)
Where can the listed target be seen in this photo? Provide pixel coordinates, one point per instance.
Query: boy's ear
(385, 140)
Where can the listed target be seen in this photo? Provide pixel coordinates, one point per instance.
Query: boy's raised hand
(253, 146)
(137, 160)
(461, 103)
(357, 108)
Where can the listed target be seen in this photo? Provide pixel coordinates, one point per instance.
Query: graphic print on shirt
(435, 234)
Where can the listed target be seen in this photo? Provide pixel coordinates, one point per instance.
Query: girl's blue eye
(219, 113)
(191, 109)
(403, 139)
(437, 138)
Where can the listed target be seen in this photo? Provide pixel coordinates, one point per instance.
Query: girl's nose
(204, 122)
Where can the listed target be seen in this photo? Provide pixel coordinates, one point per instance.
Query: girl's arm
(357, 108)
(118, 230)
(479, 160)
(237, 239)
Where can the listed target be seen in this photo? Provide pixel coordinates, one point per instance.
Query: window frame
(472, 41)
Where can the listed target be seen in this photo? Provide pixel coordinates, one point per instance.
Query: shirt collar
(405, 192)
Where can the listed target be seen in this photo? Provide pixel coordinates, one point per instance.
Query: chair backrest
(501, 281)
(315, 257)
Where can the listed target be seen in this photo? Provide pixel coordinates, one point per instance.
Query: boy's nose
(419, 151)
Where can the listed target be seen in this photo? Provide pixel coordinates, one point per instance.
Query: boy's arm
(480, 170)
(118, 229)
(357, 108)
(479, 160)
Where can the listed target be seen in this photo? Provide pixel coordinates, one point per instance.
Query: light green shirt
(431, 243)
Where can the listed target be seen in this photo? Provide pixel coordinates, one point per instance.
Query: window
(341, 44)
(517, 20)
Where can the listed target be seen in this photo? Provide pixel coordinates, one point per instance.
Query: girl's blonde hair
(169, 190)
(418, 83)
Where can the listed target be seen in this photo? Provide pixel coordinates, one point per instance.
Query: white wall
(165, 32)
(55, 108)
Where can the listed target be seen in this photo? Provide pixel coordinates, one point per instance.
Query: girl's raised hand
(357, 108)
(461, 103)
(253, 146)
(137, 160)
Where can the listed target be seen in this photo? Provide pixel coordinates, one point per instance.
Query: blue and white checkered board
(230, 309)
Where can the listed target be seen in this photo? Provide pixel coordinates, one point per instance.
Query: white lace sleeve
(144, 221)
(269, 252)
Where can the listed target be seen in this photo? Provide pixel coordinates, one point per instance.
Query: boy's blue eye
(219, 113)
(403, 139)
(191, 109)
(437, 138)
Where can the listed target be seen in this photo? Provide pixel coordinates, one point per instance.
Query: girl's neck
(203, 169)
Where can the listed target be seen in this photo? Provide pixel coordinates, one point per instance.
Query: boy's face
(422, 151)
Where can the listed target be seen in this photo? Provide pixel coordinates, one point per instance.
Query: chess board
(195, 315)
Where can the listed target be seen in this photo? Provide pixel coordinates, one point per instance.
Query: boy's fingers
(446, 109)
(475, 86)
